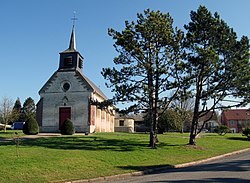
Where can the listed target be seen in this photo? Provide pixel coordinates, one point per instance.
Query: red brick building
(236, 119)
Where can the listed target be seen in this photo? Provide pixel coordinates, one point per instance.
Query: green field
(65, 158)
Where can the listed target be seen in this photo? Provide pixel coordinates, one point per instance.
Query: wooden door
(64, 113)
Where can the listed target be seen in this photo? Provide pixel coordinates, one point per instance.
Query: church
(70, 94)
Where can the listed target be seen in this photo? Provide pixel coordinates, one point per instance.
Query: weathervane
(74, 19)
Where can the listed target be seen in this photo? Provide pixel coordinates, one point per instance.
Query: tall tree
(17, 109)
(6, 107)
(17, 105)
(217, 65)
(29, 108)
(148, 65)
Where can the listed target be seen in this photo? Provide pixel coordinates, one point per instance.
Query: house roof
(209, 116)
(237, 114)
(136, 117)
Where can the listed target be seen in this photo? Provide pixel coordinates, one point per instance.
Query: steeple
(72, 43)
(71, 59)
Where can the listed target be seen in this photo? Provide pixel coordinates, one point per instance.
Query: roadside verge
(149, 171)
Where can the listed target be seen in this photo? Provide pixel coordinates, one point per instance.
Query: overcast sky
(34, 32)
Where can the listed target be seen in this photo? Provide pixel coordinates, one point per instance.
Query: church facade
(70, 94)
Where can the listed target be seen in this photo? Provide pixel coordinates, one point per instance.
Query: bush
(68, 127)
(246, 132)
(222, 129)
(31, 127)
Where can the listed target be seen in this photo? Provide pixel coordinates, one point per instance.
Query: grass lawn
(65, 158)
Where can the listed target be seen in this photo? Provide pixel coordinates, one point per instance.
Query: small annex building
(124, 123)
(70, 94)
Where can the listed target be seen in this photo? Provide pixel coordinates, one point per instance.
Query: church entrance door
(64, 113)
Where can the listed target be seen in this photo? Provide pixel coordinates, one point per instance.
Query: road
(235, 168)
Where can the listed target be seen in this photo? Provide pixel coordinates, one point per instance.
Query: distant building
(124, 124)
(140, 123)
(70, 94)
(211, 121)
(236, 119)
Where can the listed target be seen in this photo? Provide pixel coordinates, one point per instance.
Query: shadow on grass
(87, 143)
(243, 138)
(84, 143)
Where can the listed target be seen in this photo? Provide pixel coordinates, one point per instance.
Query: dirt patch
(195, 147)
(41, 135)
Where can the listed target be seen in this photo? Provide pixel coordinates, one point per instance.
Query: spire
(72, 43)
(71, 59)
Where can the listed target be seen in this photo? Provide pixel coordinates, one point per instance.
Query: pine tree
(17, 110)
(29, 108)
(148, 65)
(217, 65)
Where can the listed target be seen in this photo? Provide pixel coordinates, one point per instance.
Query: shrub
(222, 129)
(31, 127)
(68, 127)
(246, 132)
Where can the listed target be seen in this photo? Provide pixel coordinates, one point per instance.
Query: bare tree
(184, 105)
(6, 106)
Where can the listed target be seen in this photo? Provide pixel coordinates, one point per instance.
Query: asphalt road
(235, 168)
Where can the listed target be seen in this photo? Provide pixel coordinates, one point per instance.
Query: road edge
(148, 171)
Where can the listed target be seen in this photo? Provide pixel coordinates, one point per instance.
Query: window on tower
(80, 63)
(68, 61)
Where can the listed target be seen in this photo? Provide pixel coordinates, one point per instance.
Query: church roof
(83, 79)
(92, 85)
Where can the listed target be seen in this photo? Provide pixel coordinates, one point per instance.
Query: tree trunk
(156, 98)
(153, 139)
(5, 127)
(182, 130)
(192, 139)
(195, 119)
(152, 142)
(155, 118)
(194, 127)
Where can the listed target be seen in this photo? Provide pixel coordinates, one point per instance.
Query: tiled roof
(209, 116)
(237, 114)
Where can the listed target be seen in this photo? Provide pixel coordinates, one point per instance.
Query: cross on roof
(74, 19)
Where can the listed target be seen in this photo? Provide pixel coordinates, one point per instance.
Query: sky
(33, 33)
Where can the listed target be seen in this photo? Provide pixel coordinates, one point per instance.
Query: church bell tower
(71, 59)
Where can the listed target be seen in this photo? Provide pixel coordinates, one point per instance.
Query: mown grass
(64, 158)
(11, 133)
